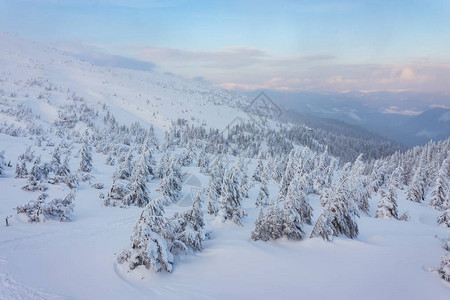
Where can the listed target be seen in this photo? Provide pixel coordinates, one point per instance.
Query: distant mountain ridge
(375, 112)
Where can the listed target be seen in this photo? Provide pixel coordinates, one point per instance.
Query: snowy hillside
(121, 184)
(31, 70)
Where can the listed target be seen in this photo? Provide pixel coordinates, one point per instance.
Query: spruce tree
(149, 246)
(230, 198)
(138, 194)
(263, 196)
(261, 230)
(387, 207)
(440, 190)
(86, 157)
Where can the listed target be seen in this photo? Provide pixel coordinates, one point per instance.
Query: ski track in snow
(11, 289)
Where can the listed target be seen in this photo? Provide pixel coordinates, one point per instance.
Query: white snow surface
(77, 260)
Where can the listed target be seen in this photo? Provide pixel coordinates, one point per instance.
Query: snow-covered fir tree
(417, 186)
(230, 197)
(2, 162)
(191, 223)
(387, 207)
(149, 246)
(21, 169)
(274, 221)
(86, 157)
(138, 194)
(444, 269)
(257, 174)
(323, 228)
(444, 218)
(261, 230)
(263, 196)
(441, 188)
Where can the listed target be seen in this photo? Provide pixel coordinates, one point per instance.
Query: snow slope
(77, 260)
(29, 70)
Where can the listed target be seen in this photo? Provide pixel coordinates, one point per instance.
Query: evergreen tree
(86, 157)
(323, 227)
(149, 246)
(263, 195)
(191, 225)
(257, 174)
(21, 170)
(138, 194)
(416, 189)
(230, 198)
(2, 162)
(274, 217)
(444, 219)
(444, 270)
(439, 193)
(261, 230)
(387, 207)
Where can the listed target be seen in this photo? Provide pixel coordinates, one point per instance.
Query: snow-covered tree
(86, 157)
(230, 198)
(149, 246)
(263, 196)
(191, 223)
(444, 218)
(261, 230)
(416, 189)
(138, 194)
(21, 170)
(39, 211)
(2, 162)
(444, 269)
(387, 207)
(257, 174)
(203, 162)
(339, 212)
(323, 227)
(440, 190)
(274, 221)
(125, 167)
(170, 184)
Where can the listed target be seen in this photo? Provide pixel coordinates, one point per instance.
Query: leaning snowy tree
(339, 212)
(148, 244)
(387, 207)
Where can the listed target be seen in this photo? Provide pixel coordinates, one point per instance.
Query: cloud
(247, 68)
(98, 57)
(228, 58)
(398, 111)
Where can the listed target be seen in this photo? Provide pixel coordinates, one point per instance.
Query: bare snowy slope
(30, 70)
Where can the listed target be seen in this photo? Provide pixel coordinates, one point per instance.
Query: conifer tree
(86, 157)
(441, 188)
(387, 207)
(138, 194)
(261, 230)
(263, 196)
(230, 197)
(149, 246)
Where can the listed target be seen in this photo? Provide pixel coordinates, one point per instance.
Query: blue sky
(279, 44)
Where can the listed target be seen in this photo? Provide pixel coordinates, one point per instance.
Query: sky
(248, 45)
